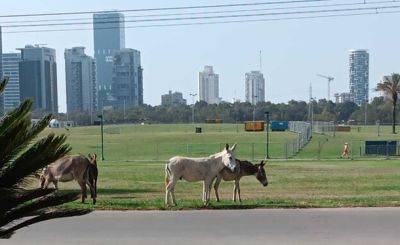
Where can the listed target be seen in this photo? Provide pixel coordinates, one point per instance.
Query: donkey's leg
(55, 183)
(170, 188)
(204, 191)
(82, 184)
(216, 185)
(234, 192)
(238, 189)
(207, 189)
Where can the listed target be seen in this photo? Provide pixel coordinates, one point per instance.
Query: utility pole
(101, 116)
(124, 108)
(267, 119)
(193, 95)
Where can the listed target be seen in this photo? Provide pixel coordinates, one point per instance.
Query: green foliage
(20, 158)
(390, 86)
(379, 109)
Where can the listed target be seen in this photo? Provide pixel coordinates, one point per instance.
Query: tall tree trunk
(394, 118)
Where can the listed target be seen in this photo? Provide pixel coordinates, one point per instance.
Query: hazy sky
(293, 51)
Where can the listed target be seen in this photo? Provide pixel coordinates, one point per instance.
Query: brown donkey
(245, 168)
(68, 168)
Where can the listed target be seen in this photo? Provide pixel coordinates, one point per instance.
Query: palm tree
(390, 85)
(20, 159)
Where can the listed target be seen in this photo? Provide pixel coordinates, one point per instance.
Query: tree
(390, 86)
(20, 159)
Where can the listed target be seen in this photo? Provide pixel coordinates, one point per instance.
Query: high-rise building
(1, 76)
(255, 87)
(209, 86)
(11, 70)
(359, 75)
(109, 38)
(38, 77)
(175, 98)
(80, 77)
(343, 97)
(127, 83)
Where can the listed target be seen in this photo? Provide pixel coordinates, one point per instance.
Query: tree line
(380, 109)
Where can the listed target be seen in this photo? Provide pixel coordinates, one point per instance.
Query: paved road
(207, 227)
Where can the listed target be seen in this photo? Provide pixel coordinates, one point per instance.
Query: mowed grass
(132, 175)
(161, 142)
(294, 184)
(329, 146)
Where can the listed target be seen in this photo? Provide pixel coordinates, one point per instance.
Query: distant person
(345, 152)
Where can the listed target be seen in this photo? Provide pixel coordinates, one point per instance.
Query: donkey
(68, 168)
(244, 168)
(197, 169)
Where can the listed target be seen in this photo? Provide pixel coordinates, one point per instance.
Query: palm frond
(17, 114)
(37, 205)
(3, 84)
(41, 154)
(18, 161)
(12, 197)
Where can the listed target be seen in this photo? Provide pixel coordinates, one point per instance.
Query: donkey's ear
(227, 147)
(262, 163)
(95, 157)
(233, 147)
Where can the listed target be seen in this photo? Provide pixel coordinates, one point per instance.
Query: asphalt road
(207, 227)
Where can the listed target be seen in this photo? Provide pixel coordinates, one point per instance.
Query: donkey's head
(42, 177)
(228, 157)
(260, 174)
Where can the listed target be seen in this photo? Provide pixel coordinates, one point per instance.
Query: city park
(304, 167)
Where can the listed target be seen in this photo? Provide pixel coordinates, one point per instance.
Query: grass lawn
(294, 184)
(329, 147)
(132, 176)
(161, 142)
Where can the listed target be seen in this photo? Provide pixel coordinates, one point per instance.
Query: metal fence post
(319, 149)
(157, 156)
(286, 150)
(252, 150)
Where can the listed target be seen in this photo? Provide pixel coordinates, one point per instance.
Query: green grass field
(295, 184)
(161, 142)
(132, 176)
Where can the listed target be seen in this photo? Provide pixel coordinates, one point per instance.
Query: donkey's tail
(91, 174)
(167, 174)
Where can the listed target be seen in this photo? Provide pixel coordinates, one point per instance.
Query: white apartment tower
(209, 86)
(255, 87)
(359, 75)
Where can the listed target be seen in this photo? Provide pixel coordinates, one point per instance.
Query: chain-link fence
(303, 130)
(163, 151)
(320, 127)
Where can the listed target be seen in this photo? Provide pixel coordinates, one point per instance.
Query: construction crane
(330, 79)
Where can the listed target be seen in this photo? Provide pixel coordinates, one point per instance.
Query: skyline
(292, 57)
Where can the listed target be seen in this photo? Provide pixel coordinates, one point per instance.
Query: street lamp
(193, 95)
(102, 135)
(267, 119)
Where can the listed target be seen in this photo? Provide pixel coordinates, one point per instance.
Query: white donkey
(197, 169)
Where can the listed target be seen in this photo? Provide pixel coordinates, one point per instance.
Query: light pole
(267, 119)
(193, 95)
(102, 134)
